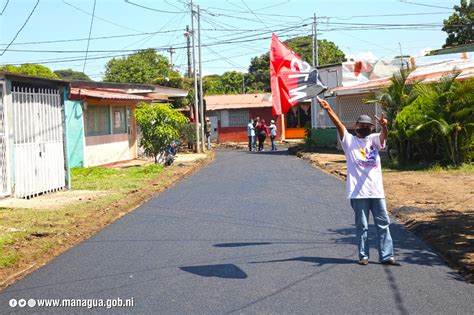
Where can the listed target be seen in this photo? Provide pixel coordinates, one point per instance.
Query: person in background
(273, 134)
(208, 130)
(191, 133)
(262, 131)
(364, 183)
(251, 135)
(255, 123)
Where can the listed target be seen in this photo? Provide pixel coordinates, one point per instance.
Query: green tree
(394, 99)
(232, 82)
(328, 52)
(460, 25)
(450, 116)
(212, 84)
(70, 74)
(258, 78)
(160, 124)
(259, 69)
(145, 66)
(31, 69)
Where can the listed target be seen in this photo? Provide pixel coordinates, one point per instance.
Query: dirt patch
(436, 205)
(65, 227)
(49, 201)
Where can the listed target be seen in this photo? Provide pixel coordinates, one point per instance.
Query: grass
(7, 258)
(119, 180)
(42, 231)
(388, 164)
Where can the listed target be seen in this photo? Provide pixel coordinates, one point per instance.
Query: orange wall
(239, 134)
(294, 133)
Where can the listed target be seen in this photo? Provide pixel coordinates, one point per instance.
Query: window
(238, 118)
(118, 119)
(97, 121)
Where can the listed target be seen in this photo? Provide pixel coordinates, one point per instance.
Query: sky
(55, 33)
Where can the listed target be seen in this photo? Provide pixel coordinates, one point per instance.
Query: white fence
(4, 171)
(38, 151)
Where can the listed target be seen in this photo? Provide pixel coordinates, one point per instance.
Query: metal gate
(4, 170)
(38, 150)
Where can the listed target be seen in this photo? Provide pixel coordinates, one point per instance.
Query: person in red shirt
(261, 129)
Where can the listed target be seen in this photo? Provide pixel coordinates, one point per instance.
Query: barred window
(97, 121)
(119, 121)
(238, 118)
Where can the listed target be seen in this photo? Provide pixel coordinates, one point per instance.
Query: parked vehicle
(167, 157)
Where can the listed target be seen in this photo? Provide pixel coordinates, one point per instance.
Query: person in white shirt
(364, 182)
(273, 134)
(251, 135)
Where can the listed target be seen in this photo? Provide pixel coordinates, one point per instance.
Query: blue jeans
(251, 143)
(272, 139)
(382, 222)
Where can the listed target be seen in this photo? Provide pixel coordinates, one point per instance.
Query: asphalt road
(252, 233)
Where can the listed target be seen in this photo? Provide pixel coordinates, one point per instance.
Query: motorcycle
(168, 156)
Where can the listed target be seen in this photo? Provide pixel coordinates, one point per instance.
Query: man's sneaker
(363, 261)
(391, 262)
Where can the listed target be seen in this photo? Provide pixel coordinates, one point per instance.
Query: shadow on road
(319, 261)
(408, 248)
(227, 271)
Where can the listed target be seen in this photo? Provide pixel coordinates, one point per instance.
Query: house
(101, 126)
(350, 100)
(361, 80)
(230, 114)
(32, 147)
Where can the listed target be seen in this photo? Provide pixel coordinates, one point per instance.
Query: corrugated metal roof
(238, 101)
(426, 74)
(109, 94)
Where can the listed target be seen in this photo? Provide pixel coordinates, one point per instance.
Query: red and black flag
(292, 80)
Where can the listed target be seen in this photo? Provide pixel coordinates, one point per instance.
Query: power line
(423, 4)
(240, 31)
(240, 39)
(253, 13)
(382, 15)
(151, 9)
(102, 19)
(4, 7)
(78, 58)
(88, 41)
(21, 28)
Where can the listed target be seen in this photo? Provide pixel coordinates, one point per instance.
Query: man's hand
(323, 103)
(382, 121)
(383, 133)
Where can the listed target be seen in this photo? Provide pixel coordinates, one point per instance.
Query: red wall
(239, 134)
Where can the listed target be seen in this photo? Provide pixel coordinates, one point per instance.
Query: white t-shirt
(250, 130)
(273, 130)
(364, 172)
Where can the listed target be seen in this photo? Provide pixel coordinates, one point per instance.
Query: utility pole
(243, 83)
(196, 112)
(188, 46)
(315, 26)
(314, 104)
(171, 51)
(201, 105)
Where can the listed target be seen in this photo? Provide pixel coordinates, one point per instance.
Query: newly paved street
(251, 233)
